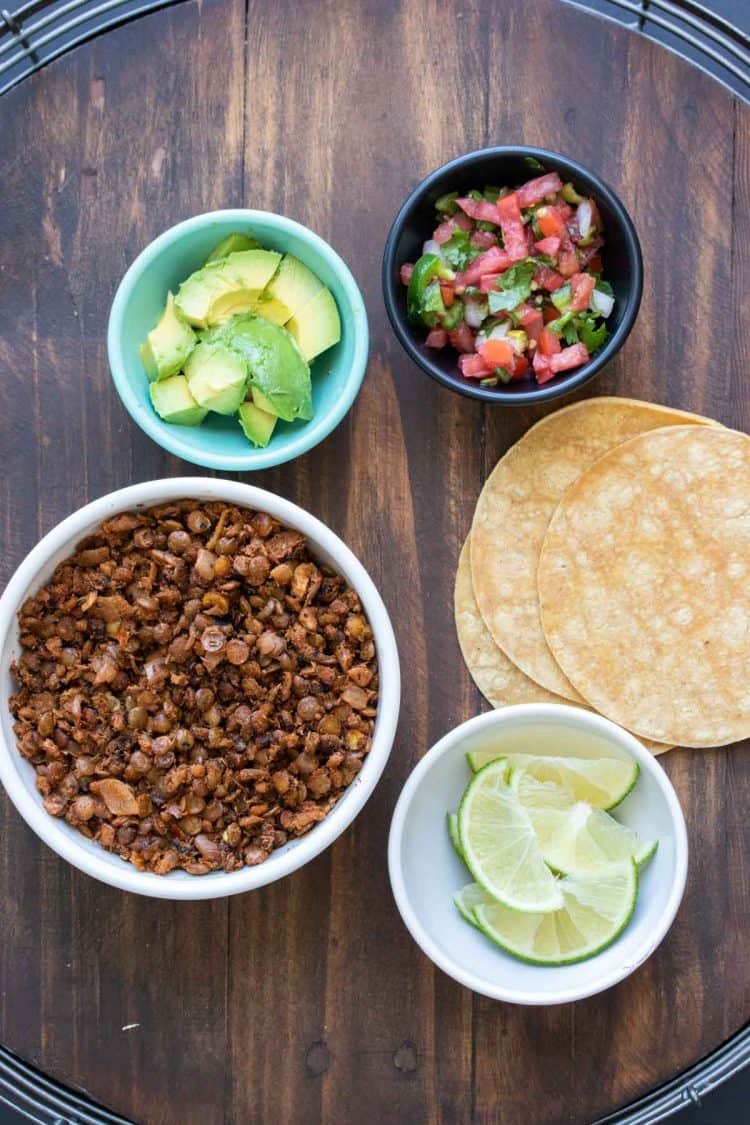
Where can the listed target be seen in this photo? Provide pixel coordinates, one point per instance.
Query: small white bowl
(18, 776)
(425, 871)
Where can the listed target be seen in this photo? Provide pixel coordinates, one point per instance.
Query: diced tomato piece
(462, 338)
(519, 367)
(497, 353)
(479, 209)
(511, 224)
(549, 246)
(488, 282)
(565, 211)
(551, 223)
(438, 338)
(567, 262)
(573, 356)
(550, 313)
(531, 320)
(535, 190)
(406, 271)
(463, 222)
(444, 232)
(493, 260)
(483, 239)
(542, 368)
(447, 292)
(581, 287)
(595, 264)
(473, 367)
(549, 343)
(548, 279)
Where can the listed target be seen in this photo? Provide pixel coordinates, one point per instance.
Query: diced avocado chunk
(173, 402)
(276, 365)
(168, 345)
(217, 377)
(271, 308)
(221, 288)
(198, 292)
(232, 243)
(294, 284)
(257, 425)
(261, 401)
(318, 326)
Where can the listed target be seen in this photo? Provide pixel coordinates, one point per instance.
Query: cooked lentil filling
(193, 688)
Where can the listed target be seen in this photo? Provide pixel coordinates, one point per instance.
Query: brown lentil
(193, 688)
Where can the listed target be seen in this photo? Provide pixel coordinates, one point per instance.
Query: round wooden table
(308, 1001)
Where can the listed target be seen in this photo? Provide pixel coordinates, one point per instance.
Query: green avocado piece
(233, 242)
(294, 284)
(173, 402)
(261, 401)
(217, 377)
(277, 367)
(318, 326)
(257, 425)
(168, 345)
(226, 286)
(201, 290)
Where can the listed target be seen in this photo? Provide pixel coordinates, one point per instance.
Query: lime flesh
(469, 897)
(573, 837)
(596, 908)
(499, 845)
(601, 782)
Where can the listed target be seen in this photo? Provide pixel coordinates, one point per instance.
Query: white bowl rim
(310, 435)
(295, 854)
(503, 716)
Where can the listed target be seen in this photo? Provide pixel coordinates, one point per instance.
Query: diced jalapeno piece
(453, 316)
(490, 381)
(503, 375)
(446, 204)
(570, 195)
(477, 195)
(426, 269)
(482, 224)
(491, 194)
(561, 298)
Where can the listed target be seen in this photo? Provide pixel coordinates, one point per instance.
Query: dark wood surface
(308, 1001)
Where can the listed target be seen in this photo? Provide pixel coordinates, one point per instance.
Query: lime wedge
(596, 909)
(452, 820)
(571, 835)
(467, 898)
(602, 782)
(499, 845)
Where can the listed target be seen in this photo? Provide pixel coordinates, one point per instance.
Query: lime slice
(571, 835)
(467, 898)
(602, 782)
(452, 820)
(596, 909)
(499, 844)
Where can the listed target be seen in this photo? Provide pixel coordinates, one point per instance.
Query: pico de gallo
(512, 280)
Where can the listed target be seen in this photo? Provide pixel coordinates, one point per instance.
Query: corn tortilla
(516, 505)
(644, 585)
(499, 680)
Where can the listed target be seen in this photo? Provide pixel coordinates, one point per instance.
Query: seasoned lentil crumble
(193, 688)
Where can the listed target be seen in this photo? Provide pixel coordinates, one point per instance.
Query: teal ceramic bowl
(219, 442)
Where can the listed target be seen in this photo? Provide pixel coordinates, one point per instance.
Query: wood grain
(308, 1001)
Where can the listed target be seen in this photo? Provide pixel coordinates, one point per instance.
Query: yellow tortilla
(498, 679)
(516, 505)
(644, 585)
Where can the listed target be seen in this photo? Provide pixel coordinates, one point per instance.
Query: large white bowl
(425, 871)
(18, 776)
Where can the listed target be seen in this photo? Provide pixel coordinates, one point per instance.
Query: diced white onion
(584, 218)
(474, 314)
(431, 247)
(500, 331)
(601, 303)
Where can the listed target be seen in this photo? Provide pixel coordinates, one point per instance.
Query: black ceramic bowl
(509, 164)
